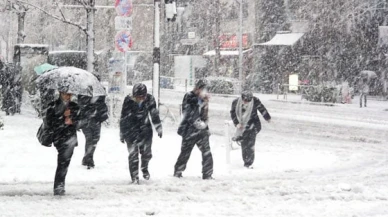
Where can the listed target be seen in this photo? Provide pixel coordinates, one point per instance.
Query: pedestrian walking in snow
(245, 118)
(8, 92)
(136, 129)
(364, 88)
(2, 84)
(195, 131)
(346, 97)
(62, 117)
(94, 111)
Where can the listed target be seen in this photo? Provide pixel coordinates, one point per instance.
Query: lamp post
(240, 45)
(156, 55)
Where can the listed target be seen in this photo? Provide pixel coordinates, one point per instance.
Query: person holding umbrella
(244, 116)
(365, 79)
(136, 129)
(364, 89)
(62, 117)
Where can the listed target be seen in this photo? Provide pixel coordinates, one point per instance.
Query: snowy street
(194, 108)
(310, 161)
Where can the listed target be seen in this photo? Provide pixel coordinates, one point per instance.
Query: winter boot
(84, 162)
(91, 164)
(59, 191)
(178, 175)
(136, 181)
(207, 177)
(146, 175)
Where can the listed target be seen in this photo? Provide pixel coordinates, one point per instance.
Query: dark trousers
(92, 136)
(248, 147)
(65, 152)
(142, 147)
(202, 141)
(363, 97)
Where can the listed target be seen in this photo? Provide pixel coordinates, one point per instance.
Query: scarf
(243, 117)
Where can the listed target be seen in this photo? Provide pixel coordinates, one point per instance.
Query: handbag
(45, 136)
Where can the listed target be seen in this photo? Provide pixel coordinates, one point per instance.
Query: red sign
(231, 41)
(124, 7)
(123, 41)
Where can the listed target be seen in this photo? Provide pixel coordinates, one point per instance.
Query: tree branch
(60, 10)
(18, 8)
(64, 20)
(14, 8)
(83, 4)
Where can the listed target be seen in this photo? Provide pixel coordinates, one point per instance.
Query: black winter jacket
(192, 111)
(135, 123)
(254, 122)
(93, 109)
(55, 120)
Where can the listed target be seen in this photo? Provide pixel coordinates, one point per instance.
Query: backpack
(45, 136)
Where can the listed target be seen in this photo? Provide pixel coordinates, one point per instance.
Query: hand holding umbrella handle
(68, 121)
(67, 113)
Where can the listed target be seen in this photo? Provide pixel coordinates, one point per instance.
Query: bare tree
(217, 33)
(21, 11)
(89, 6)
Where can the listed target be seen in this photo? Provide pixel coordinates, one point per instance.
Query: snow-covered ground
(310, 161)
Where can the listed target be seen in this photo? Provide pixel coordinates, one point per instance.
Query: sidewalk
(304, 102)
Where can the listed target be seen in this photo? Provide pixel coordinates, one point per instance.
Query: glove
(200, 125)
(160, 134)
(122, 140)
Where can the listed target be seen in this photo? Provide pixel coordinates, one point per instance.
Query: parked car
(223, 85)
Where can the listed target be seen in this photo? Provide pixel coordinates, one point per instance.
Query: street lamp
(156, 55)
(240, 44)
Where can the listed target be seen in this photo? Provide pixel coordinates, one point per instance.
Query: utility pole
(90, 11)
(240, 44)
(217, 37)
(156, 74)
(287, 10)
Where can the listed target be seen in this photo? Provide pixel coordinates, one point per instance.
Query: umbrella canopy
(72, 80)
(39, 70)
(368, 74)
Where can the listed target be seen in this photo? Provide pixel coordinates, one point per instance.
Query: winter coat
(55, 120)
(135, 124)
(254, 122)
(365, 88)
(364, 85)
(193, 109)
(93, 110)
